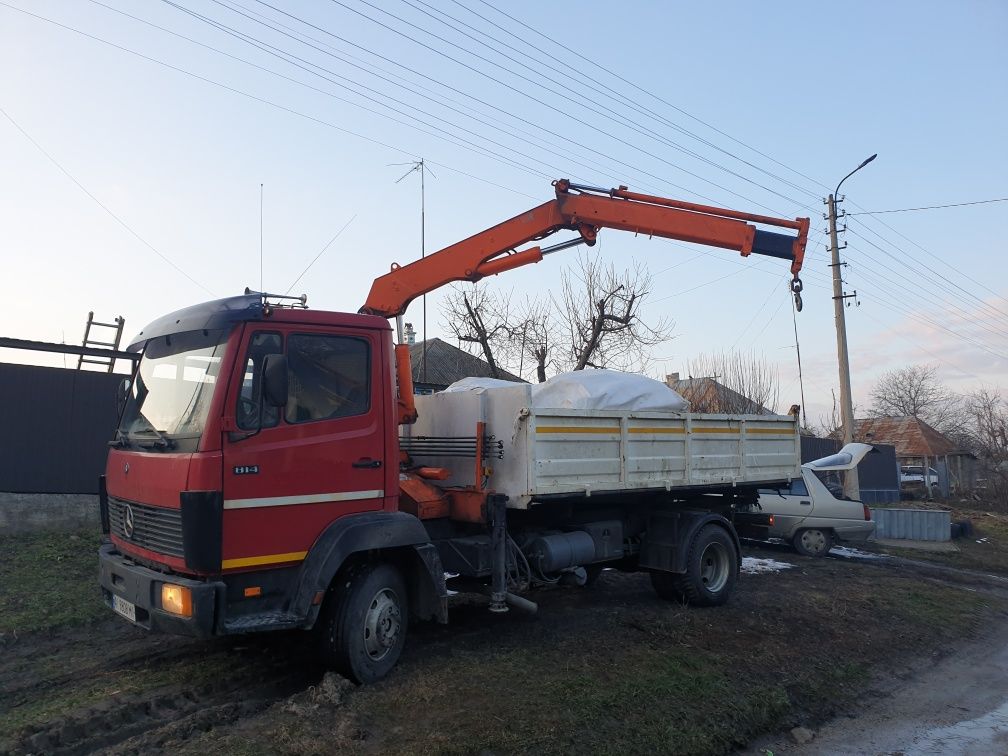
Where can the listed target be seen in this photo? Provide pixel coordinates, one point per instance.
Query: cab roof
(225, 313)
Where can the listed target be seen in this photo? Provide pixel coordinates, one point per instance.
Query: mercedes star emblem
(128, 521)
(126, 469)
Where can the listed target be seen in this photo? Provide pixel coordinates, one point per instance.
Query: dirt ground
(606, 669)
(958, 705)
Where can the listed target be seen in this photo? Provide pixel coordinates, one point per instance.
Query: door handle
(369, 464)
(806, 503)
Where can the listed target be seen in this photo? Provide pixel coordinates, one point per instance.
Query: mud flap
(666, 543)
(426, 583)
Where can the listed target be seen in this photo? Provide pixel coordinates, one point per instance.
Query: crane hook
(796, 289)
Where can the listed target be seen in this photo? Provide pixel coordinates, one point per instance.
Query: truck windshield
(169, 399)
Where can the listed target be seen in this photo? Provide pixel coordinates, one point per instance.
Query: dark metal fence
(55, 425)
(878, 472)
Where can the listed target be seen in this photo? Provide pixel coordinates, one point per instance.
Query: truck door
(290, 471)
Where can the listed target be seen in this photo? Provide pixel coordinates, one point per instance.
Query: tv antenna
(419, 166)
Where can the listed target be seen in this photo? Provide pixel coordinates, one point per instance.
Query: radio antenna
(260, 237)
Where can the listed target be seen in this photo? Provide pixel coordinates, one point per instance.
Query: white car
(807, 515)
(914, 474)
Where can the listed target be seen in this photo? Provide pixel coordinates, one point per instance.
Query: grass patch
(636, 699)
(49, 580)
(935, 606)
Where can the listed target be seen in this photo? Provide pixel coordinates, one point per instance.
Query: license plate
(124, 607)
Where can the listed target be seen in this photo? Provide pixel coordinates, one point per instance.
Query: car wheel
(363, 622)
(711, 571)
(813, 542)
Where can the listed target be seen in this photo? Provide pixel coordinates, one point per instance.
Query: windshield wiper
(161, 442)
(121, 439)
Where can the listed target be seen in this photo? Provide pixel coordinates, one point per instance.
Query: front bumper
(141, 586)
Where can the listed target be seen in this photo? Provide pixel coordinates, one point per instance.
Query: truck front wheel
(362, 625)
(711, 570)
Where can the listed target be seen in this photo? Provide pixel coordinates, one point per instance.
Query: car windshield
(169, 399)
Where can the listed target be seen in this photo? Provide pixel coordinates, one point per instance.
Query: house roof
(911, 436)
(447, 364)
(707, 395)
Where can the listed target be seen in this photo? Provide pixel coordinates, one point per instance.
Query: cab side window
(250, 396)
(328, 377)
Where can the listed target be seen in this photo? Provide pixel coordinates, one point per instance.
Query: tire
(813, 542)
(363, 622)
(592, 571)
(711, 570)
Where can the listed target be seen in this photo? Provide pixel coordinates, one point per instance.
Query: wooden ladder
(106, 362)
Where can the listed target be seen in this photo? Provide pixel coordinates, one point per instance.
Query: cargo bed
(551, 452)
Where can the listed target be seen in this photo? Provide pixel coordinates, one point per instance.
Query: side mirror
(122, 394)
(275, 380)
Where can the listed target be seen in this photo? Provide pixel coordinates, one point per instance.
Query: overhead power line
(930, 207)
(593, 84)
(263, 100)
(101, 204)
(437, 50)
(581, 57)
(442, 135)
(615, 115)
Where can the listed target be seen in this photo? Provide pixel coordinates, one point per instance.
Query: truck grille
(155, 528)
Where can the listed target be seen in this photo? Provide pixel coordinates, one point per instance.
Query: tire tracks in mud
(142, 723)
(180, 690)
(945, 574)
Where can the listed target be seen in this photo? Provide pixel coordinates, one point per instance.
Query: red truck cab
(228, 512)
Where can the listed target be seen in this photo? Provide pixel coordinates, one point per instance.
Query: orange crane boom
(586, 210)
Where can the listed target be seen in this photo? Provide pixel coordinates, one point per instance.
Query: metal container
(912, 524)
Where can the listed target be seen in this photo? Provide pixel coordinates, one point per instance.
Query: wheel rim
(714, 567)
(382, 624)
(814, 541)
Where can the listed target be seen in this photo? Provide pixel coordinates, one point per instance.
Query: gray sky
(758, 107)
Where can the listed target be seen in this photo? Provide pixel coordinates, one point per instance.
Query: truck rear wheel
(362, 625)
(711, 571)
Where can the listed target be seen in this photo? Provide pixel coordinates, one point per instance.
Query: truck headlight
(176, 599)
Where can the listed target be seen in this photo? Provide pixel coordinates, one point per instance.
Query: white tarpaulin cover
(591, 389)
(478, 384)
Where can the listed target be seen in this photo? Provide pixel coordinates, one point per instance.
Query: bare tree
(480, 318)
(534, 336)
(832, 426)
(732, 383)
(916, 391)
(988, 415)
(599, 311)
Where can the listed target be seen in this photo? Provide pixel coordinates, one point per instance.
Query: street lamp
(851, 488)
(837, 191)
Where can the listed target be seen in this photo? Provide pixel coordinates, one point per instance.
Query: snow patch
(849, 553)
(757, 566)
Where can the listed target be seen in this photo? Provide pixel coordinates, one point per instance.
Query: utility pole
(851, 485)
